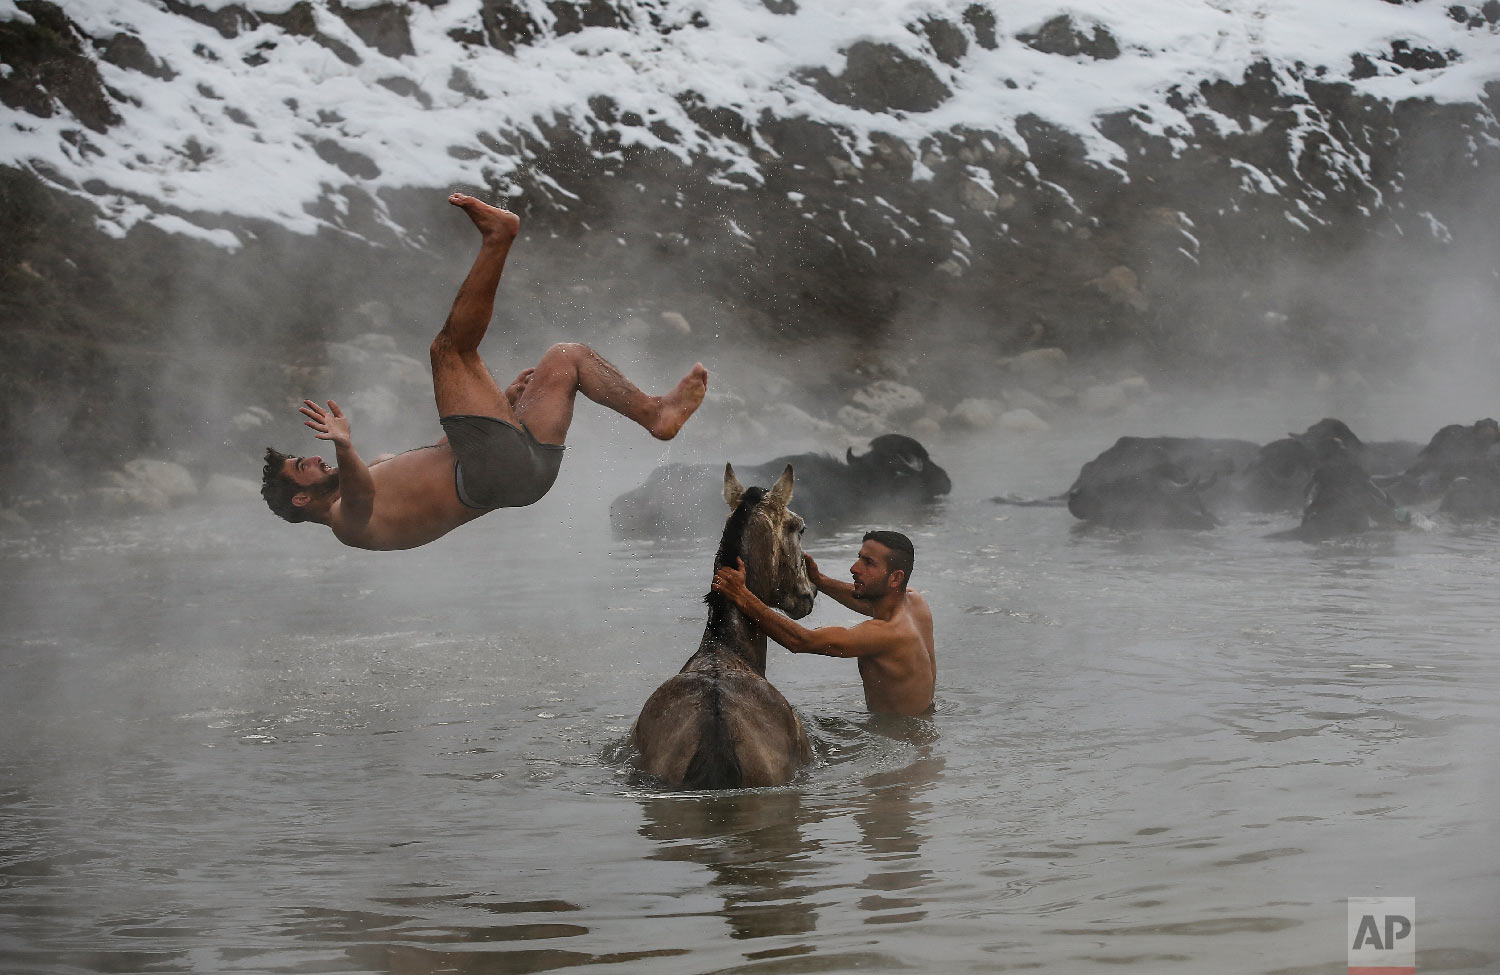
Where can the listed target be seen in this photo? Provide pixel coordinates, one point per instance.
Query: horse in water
(719, 724)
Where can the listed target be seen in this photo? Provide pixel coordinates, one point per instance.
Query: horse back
(720, 726)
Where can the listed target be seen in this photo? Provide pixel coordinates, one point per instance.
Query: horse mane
(731, 542)
(731, 549)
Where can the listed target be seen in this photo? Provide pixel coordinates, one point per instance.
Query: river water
(230, 745)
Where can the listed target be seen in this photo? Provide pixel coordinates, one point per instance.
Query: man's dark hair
(278, 489)
(903, 556)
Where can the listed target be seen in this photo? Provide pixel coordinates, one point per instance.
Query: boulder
(792, 424)
(1022, 399)
(253, 418)
(1103, 398)
(676, 322)
(977, 413)
(375, 406)
(1023, 421)
(862, 422)
(889, 399)
(1120, 285)
(148, 484)
(223, 489)
(1040, 368)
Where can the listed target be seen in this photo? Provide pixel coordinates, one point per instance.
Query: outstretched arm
(356, 486)
(829, 641)
(836, 589)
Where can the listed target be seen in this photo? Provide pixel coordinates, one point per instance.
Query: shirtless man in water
(502, 448)
(894, 647)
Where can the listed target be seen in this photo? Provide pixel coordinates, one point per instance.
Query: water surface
(228, 745)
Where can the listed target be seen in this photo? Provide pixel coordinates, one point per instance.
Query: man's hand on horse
(812, 568)
(730, 582)
(331, 425)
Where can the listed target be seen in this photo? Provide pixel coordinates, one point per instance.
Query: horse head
(768, 536)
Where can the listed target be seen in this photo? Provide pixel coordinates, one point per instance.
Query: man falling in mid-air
(502, 448)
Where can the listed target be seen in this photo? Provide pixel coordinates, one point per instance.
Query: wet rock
(861, 422)
(1120, 285)
(975, 195)
(1039, 368)
(1103, 398)
(977, 413)
(889, 399)
(223, 489)
(925, 426)
(373, 358)
(790, 423)
(1023, 421)
(151, 485)
(253, 418)
(375, 406)
(1061, 393)
(634, 327)
(1021, 399)
(677, 322)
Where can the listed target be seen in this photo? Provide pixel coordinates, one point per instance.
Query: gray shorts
(499, 465)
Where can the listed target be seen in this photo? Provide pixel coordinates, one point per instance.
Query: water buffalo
(1280, 476)
(1344, 499)
(893, 477)
(1155, 482)
(1474, 493)
(1454, 451)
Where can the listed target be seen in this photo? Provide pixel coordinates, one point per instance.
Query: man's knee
(573, 352)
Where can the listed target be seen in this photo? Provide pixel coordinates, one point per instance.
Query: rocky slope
(207, 208)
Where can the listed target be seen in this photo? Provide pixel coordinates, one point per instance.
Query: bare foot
(493, 222)
(518, 386)
(680, 403)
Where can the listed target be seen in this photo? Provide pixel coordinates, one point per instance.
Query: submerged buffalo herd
(1340, 484)
(889, 482)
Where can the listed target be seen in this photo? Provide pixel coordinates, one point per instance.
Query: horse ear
(781, 491)
(733, 489)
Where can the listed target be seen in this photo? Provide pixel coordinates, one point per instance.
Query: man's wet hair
(278, 489)
(903, 556)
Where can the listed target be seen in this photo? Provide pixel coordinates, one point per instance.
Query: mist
(1014, 232)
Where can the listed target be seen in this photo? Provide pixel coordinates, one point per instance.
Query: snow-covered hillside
(266, 109)
(197, 195)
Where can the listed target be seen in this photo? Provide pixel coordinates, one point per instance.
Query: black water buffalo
(1454, 451)
(887, 482)
(1474, 491)
(1156, 482)
(1281, 475)
(1344, 500)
